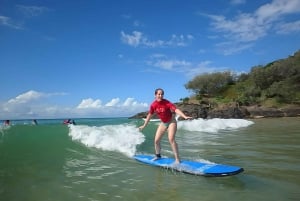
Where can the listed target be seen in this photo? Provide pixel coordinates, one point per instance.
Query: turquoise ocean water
(93, 160)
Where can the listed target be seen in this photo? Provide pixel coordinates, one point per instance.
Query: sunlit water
(93, 160)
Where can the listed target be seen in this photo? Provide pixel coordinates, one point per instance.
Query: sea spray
(122, 138)
(213, 125)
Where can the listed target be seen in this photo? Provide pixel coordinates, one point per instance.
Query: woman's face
(159, 95)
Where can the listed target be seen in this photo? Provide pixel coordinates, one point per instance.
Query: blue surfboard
(191, 167)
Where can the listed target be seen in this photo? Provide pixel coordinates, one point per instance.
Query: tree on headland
(277, 82)
(210, 84)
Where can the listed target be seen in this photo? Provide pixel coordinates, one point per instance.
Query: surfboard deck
(191, 167)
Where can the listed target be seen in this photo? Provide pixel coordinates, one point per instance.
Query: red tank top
(163, 109)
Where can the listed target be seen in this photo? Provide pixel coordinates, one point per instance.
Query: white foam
(121, 138)
(213, 125)
(3, 127)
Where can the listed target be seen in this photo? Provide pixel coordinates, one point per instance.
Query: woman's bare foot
(177, 162)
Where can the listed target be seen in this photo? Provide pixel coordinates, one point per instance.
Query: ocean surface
(93, 160)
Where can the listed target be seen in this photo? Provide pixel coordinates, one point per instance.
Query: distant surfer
(6, 123)
(34, 122)
(69, 121)
(165, 111)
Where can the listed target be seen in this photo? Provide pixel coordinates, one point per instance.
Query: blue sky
(89, 58)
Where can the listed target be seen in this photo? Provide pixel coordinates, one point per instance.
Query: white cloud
(32, 11)
(26, 104)
(132, 40)
(276, 9)
(175, 65)
(113, 108)
(201, 68)
(33, 104)
(246, 28)
(27, 11)
(232, 47)
(138, 39)
(26, 97)
(180, 40)
(129, 102)
(243, 28)
(113, 102)
(189, 69)
(89, 103)
(7, 21)
(288, 28)
(163, 62)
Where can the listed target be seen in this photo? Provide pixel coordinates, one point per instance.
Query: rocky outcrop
(228, 112)
(260, 112)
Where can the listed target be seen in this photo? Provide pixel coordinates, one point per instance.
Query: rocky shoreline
(232, 112)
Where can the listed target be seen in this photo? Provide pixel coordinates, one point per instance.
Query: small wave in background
(213, 125)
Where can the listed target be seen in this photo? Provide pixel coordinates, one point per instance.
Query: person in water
(34, 122)
(6, 123)
(69, 121)
(166, 111)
